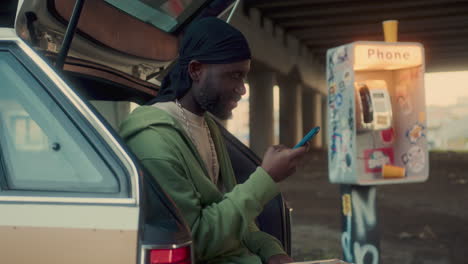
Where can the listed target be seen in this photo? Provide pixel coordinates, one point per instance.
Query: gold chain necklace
(210, 140)
(187, 125)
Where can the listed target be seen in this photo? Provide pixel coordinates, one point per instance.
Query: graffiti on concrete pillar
(365, 217)
(360, 237)
(368, 250)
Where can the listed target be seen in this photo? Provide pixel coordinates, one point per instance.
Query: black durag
(209, 41)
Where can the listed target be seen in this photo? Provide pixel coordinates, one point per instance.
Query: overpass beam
(308, 110)
(324, 122)
(317, 142)
(261, 110)
(312, 107)
(290, 111)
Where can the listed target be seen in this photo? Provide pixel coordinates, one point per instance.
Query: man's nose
(241, 90)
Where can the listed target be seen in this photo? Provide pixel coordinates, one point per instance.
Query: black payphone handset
(366, 103)
(373, 106)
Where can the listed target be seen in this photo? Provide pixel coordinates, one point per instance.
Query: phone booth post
(377, 132)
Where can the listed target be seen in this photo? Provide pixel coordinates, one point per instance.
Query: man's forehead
(236, 66)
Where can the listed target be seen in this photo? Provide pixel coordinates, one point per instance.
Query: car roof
(8, 33)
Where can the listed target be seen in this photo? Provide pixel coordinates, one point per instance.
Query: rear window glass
(41, 148)
(164, 14)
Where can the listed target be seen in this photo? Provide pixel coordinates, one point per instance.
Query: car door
(68, 191)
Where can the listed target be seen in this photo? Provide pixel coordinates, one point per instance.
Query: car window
(41, 148)
(164, 14)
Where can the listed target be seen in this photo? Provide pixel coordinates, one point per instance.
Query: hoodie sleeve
(262, 244)
(219, 227)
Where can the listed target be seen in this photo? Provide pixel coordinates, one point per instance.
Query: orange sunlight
(443, 88)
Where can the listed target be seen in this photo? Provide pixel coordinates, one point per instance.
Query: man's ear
(195, 69)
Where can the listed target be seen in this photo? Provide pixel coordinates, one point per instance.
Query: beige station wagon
(70, 190)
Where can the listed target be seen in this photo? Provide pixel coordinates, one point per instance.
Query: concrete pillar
(261, 110)
(317, 142)
(312, 115)
(325, 126)
(308, 108)
(290, 111)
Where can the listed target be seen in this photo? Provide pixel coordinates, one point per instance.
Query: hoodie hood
(144, 117)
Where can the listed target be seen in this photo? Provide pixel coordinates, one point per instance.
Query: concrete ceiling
(440, 25)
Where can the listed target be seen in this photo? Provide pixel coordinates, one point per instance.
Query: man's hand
(280, 161)
(280, 259)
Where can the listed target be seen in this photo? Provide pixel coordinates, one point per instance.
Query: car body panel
(68, 233)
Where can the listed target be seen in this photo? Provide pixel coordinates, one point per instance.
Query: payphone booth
(377, 113)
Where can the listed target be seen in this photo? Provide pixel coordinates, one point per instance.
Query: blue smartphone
(308, 137)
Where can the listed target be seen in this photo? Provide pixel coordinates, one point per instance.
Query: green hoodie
(222, 225)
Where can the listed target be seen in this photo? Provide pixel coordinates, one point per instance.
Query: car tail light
(170, 256)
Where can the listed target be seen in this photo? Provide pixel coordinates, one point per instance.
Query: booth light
(386, 57)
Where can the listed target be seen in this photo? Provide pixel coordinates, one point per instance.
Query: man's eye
(237, 76)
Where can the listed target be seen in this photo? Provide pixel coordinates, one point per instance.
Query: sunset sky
(443, 88)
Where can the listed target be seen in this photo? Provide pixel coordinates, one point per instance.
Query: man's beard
(212, 103)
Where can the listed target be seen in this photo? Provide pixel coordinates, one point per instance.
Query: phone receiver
(366, 102)
(308, 137)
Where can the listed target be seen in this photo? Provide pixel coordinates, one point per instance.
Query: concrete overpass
(281, 59)
(440, 25)
(289, 39)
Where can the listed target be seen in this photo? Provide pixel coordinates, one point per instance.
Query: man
(179, 143)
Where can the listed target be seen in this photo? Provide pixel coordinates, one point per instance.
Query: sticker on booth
(346, 204)
(336, 144)
(405, 105)
(341, 86)
(340, 55)
(387, 136)
(414, 159)
(415, 133)
(376, 158)
(422, 117)
(403, 99)
(332, 88)
(347, 77)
